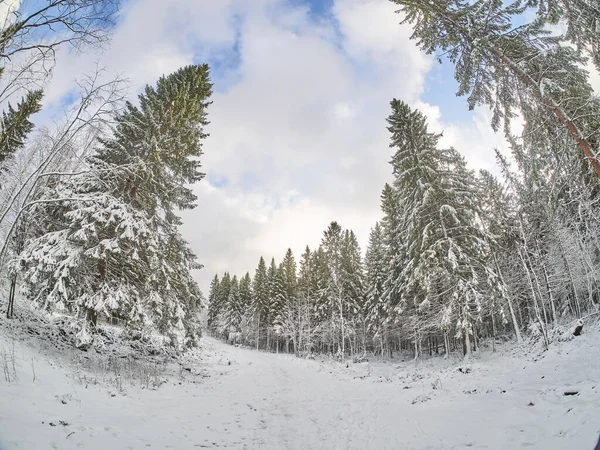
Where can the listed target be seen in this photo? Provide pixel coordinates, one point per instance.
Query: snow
(224, 396)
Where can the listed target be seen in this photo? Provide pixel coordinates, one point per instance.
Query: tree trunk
(467, 345)
(258, 332)
(575, 296)
(10, 311)
(342, 319)
(268, 338)
(417, 350)
(493, 333)
(446, 346)
(535, 304)
(91, 315)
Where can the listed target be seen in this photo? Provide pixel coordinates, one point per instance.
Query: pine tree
(223, 292)
(304, 274)
(446, 273)
(234, 310)
(15, 124)
(376, 275)
(499, 219)
(289, 276)
(278, 305)
(352, 276)
(273, 282)
(394, 251)
(320, 281)
(332, 243)
(214, 304)
(260, 297)
(246, 294)
(306, 300)
(245, 304)
(322, 310)
(288, 305)
(582, 18)
(352, 272)
(113, 245)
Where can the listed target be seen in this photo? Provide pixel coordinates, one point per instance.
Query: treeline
(315, 305)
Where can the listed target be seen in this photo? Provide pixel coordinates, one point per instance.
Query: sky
(298, 135)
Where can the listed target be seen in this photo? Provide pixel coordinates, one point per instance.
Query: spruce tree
(333, 245)
(245, 291)
(273, 283)
(304, 274)
(15, 124)
(224, 291)
(306, 300)
(352, 273)
(320, 277)
(288, 306)
(394, 248)
(113, 245)
(214, 304)
(260, 297)
(376, 274)
(446, 272)
(582, 18)
(245, 303)
(233, 312)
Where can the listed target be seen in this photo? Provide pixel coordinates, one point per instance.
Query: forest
(459, 255)
(152, 150)
(91, 205)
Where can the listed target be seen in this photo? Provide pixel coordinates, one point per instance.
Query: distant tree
(260, 297)
(376, 274)
(214, 303)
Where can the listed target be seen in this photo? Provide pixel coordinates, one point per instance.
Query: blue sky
(319, 7)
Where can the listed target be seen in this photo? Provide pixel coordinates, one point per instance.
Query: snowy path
(265, 401)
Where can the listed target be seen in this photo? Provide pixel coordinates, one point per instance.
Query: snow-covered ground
(223, 396)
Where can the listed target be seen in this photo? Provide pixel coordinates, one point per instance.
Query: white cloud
(475, 138)
(594, 77)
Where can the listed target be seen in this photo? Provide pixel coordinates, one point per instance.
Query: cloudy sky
(298, 135)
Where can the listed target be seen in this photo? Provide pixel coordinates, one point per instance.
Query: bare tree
(51, 156)
(29, 40)
(54, 23)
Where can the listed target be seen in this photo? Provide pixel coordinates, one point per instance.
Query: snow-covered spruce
(440, 273)
(109, 240)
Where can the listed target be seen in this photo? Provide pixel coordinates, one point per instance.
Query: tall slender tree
(260, 298)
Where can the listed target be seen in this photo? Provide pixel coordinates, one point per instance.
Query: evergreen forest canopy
(458, 256)
(90, 219)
